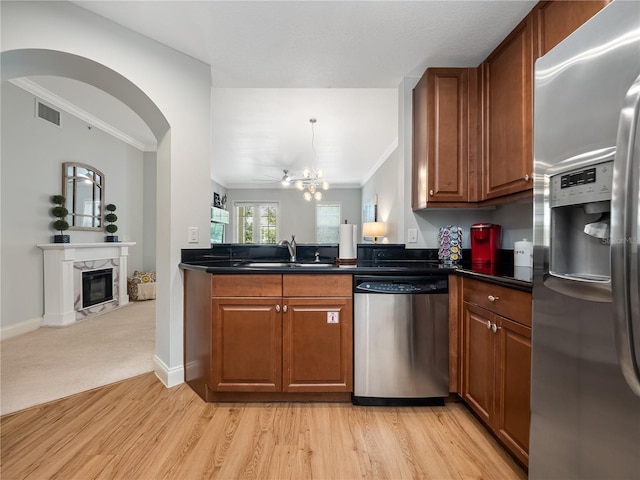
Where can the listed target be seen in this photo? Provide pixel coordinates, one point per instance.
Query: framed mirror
(83, 187)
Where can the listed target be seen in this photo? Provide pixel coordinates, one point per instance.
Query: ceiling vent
(49, 114)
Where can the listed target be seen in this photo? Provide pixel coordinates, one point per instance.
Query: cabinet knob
(431, 192)
(284, 308)
(492, 298)
(495, 328)
(488, 324)
(526, 177)
(277, 308)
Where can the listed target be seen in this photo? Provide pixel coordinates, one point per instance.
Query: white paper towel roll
(348, 235)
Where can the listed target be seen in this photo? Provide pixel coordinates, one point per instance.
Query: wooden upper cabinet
(557, 20)
(507, 99)
(444, 137)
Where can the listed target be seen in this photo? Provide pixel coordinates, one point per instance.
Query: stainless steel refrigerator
(585, 385)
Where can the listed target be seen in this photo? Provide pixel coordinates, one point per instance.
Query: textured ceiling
(275, 64)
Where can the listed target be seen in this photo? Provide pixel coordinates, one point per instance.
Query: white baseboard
(169, 376)
(20, 328)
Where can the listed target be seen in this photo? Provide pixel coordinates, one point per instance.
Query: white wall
(33, 151)
(170, 91)
(149, 220)
(384, 184)
(297, 216)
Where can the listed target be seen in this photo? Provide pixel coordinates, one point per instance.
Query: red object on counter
(485, 243)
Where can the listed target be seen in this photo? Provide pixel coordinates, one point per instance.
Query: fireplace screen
(97, 287)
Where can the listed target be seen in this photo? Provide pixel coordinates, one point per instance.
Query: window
(328, 217)
(256, 222)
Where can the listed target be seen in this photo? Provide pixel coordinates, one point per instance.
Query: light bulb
(306, 173)
(285, 182)
(325, 185)
(317, 195)
(307, 196)
(319, 173)
(300, 185)
(312, 187)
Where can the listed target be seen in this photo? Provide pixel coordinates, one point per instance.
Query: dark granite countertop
(372, 260)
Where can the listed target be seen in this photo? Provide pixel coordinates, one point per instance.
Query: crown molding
(50, 97)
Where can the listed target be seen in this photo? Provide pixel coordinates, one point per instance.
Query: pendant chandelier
(312, 181)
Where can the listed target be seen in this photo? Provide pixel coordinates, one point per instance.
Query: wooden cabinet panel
(514, 387)
(247, 345)
(558, 19)
(197, 330)
(267, 285)
(479, 362)
(507, 302)
(445, 138)
(314, 285)
(507, 114)
(317, 341)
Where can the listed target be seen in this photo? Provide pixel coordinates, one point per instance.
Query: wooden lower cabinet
(317, 345)
(290, 344)
(247, 345)
(496, 374)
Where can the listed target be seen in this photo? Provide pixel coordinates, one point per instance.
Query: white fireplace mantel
(59, 286)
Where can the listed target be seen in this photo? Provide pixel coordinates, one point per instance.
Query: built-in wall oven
(401, 340)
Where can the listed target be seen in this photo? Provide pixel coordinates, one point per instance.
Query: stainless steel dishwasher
(401, 340)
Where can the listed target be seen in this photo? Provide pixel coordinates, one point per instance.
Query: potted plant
(60, 212)
(223, 201)
(112, 227)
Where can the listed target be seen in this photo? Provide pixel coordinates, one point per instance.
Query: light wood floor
(138, 429)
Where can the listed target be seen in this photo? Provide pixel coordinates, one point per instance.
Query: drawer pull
(284, 308)
(488, 325)
(277, 308)
(495, 328)
(492, 298)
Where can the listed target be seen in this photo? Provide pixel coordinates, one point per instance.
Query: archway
(29, 62)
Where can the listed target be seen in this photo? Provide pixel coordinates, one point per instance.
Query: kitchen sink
(283, 264)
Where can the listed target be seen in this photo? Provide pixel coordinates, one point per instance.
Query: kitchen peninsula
(252, 331)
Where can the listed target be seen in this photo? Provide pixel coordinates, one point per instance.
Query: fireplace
(97, 287)
(64, 264)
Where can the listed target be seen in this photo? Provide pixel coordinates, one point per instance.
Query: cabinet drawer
(510, 303)
(247, 285)
(316, 285)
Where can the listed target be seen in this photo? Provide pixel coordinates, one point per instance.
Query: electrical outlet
(412, 235)
(194, 235)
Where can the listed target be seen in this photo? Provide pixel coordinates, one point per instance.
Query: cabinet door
(317, 345)
(247, 345)
(514, 386)
(557, 20)
(447, 134)
(445, 128)
(508, 120)
(478, 384)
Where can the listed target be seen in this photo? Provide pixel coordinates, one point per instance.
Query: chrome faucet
(291, 246)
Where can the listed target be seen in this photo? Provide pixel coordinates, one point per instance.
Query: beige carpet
(52, 363)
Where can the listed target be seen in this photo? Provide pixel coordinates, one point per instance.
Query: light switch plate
(412, 235)
(194, 235)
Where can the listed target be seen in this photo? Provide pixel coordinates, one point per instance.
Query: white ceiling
(275, 64)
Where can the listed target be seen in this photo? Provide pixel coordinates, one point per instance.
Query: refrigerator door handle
(625, 272)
